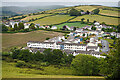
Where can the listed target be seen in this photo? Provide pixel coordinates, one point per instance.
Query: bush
(6, 54)
(20, 64)
(45, 64)
(47, 38)
(85, 65)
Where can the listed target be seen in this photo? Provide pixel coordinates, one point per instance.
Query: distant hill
(14, 10)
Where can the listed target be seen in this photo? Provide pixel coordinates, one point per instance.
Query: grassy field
(19, 39)
(58, 10)
(75, 24)
(10, 71)
(85, 8)
(107, 20)
(53, 19)
(109, 13)
(35, 16)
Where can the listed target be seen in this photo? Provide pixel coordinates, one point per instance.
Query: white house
(26, 25)
(42, 27)
(54, 45)
(13, 23)
(53, 27)
(93, 48)
(96, 23)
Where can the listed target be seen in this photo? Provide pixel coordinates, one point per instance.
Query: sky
(112, 3)
(60, 1)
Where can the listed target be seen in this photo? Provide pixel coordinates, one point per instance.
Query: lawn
(35, 16)
(10, 71)
(19, 39)
(107, 20)
(108, 12)
(75, 24)
(53, 20)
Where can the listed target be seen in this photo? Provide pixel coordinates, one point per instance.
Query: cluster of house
(71, 45)
(82, 30)
(27, 25)
(75, 43)
(98, 31)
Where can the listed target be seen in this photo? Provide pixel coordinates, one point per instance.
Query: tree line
(75, 12)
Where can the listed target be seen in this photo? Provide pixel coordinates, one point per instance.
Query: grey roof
(92, 47)
(73, 44)
(40, 42)
(87, 52)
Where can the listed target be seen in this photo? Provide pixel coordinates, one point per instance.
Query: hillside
(15, 10)
(109, 15)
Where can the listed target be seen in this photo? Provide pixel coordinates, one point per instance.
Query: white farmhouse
(53, 27)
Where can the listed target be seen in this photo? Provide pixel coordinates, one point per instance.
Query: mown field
(107, 20)
(35, 16)
(10, 71)
(20, 39)
(109, 12)
(85, 8)
(52, 20)
(75, 24)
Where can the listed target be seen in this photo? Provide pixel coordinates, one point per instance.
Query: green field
(19, 39)
(109, 13)
(10, 71)
(107, 20)
(35, 16)
(85, 8)
(53, 19)
(75, 24)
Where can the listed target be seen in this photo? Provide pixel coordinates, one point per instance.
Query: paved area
(105, 46)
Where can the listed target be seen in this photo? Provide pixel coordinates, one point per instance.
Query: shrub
(20, 64)
(85, 65)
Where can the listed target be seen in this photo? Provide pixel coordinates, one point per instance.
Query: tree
(32, 26)
(93, 28)
(48, 55)
(103, 23)
(74, 28)
(47, 38)
(87, 20)
(15, 53)
(85, 65)
(69, 58)
(74, 12)
(96, 11)
(87, 12)
(29, 14)
(110, 65)
(81, 10)
(21, 26)
(57, 56)
(83, 34)
(103, 29)
(4, 28)
(38, 56)
(26, 56)
(82, 20)
(118, 28)
(113, 60)
(15, 27)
